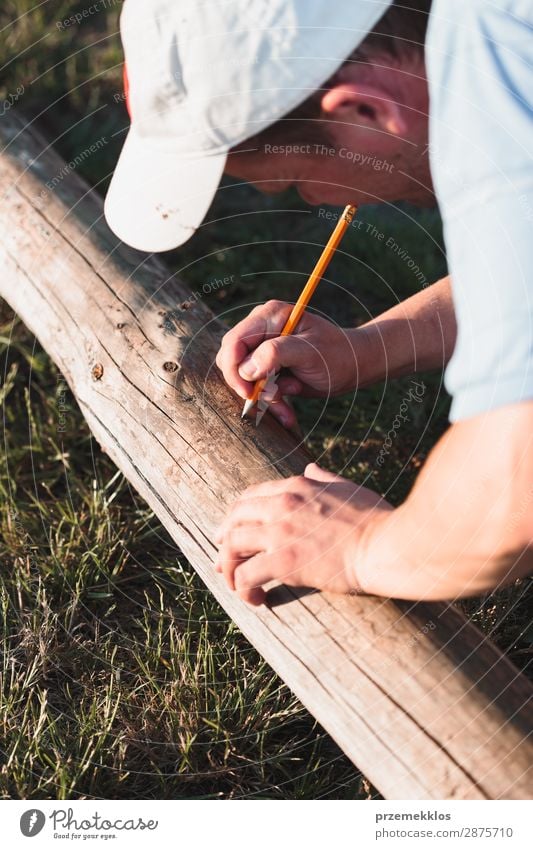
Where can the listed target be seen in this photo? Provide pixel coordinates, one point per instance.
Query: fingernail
(248, 368)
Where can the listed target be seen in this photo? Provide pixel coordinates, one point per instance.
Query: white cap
(204, 75)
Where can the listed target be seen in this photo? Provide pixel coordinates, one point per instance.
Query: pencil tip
(247, 407)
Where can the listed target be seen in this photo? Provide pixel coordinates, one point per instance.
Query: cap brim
(156, 201)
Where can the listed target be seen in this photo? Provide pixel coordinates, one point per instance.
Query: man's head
(362, 137)
(209, 81)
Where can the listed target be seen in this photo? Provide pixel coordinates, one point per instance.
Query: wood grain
(419, 700)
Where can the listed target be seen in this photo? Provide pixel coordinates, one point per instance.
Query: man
(209, 84)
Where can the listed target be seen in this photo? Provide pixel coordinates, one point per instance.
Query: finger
(296, 484)
(360, 495)
(252, 510)
(289, 385)
(314, 472)
(282, 411)
(274, 354)
(228, 358)
(244, 509)
(278, 405)
(252, 575)
(263, 322)
(240, 543)
(227, 564)
(254, 597)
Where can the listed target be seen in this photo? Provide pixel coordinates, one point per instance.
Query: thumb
(275, 354)
(315, 473)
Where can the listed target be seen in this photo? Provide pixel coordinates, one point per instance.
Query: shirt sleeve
(479, 58)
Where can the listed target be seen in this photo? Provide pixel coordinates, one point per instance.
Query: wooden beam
(420, 701)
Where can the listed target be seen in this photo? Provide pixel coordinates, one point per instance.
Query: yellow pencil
(307, 292)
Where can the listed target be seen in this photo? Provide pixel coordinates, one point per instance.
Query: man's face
(357, 153)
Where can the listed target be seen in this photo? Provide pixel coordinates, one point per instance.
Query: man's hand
(321, 357)
(303, 531)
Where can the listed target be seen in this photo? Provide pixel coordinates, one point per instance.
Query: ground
(121, 676)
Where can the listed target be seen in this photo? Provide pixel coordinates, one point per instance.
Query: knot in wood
(170, 366)
(97, 371)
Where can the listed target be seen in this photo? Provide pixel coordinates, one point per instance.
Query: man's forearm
(415, 335)
(467, 525)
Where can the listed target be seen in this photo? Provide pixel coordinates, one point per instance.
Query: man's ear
(364, 106)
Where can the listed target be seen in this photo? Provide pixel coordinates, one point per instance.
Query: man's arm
(466, 528)
(321, 359)
(417, 334)
(467, 525)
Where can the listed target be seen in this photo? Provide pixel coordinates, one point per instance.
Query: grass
(121, 676)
